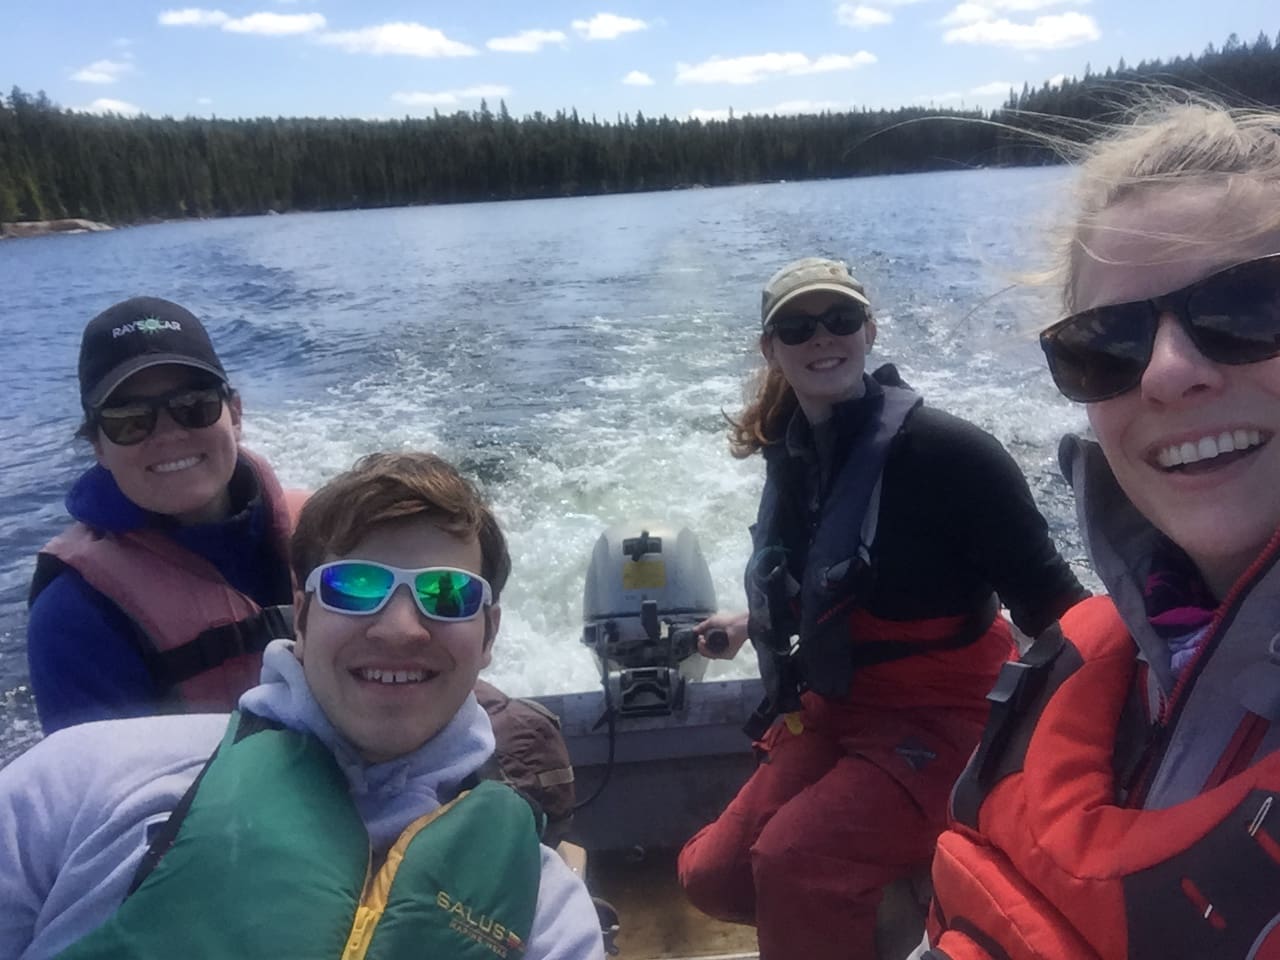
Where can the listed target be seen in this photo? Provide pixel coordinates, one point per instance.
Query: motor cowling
(647, 586)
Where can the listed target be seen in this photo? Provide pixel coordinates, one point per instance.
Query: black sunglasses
(840, 320)
(132, 421)
(1232, 317)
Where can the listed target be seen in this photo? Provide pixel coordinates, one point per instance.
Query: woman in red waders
(1123, 802)
(885, 531)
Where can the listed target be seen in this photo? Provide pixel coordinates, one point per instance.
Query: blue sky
(391, 58)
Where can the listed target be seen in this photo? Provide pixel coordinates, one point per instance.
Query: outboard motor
(647, 586)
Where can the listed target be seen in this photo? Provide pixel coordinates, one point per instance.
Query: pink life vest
(205, 637)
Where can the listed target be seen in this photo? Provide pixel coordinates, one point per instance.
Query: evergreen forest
(57, 163)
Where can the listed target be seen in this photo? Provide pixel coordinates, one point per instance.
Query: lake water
(574, 356)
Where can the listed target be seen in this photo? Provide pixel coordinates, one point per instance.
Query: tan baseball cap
(805, 276)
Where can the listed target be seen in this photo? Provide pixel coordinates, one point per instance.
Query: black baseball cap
(139, 333)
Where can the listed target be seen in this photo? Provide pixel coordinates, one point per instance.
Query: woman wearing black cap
(885, 531)
(174, 575)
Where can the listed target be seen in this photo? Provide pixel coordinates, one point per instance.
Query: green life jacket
(271, 860)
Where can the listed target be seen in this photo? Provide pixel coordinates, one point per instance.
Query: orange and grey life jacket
(204, 639)
(1043, 860)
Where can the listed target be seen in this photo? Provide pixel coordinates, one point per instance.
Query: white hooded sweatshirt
(77, 810)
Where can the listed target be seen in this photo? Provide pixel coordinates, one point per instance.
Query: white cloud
(526, 41)
(987, 22)
(266, 24)
(968, 13)
(448, 98)
(607, 26)
(786, 108)
(978, 11)
(398, 39)
(996, 88)
(838, 61)
(1037, 4)
(204, 101)
(753, 69)
(1050, 32)
(1028, 6)
(103, 71)
(638, 78)
(193, 17)
(793, 107)
(1057, 79)
(276, 24)
(107, 105)
(860, 17)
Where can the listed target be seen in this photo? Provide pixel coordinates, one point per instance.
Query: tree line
(1238, 74)
(57, 163)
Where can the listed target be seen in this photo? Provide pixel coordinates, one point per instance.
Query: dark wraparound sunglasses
(132, 421)
(1232, 317)
(841, 320)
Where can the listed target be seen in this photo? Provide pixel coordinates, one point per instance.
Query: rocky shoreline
(42, 228)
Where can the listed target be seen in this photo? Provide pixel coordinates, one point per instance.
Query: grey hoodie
(75, 812)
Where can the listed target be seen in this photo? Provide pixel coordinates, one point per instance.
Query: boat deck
(645, 793)
(655, 918)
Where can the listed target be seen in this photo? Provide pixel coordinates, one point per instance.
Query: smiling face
(391, 681)
(1194, 445)
(825, 369)
(181, 473)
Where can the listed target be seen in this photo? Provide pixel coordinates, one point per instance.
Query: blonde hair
(1169, 140)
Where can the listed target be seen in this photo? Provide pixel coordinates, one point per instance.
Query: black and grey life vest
(837, 566)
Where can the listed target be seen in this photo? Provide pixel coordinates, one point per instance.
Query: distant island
(41, 228)
(58, 165)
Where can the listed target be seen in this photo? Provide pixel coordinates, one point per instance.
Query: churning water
(573, 356)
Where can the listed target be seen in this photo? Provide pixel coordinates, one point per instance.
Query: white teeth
(392, 676)
(173, 466)
(1206, 448)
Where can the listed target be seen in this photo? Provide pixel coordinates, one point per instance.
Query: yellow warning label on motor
(644, 575)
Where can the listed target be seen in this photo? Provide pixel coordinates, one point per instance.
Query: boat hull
(670, 775)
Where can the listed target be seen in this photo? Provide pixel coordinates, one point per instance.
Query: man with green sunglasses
(341, 810)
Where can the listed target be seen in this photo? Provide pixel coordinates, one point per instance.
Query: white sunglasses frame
(403, 576)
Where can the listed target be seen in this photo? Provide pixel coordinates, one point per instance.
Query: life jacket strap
(215, 646)
(1018, 698)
